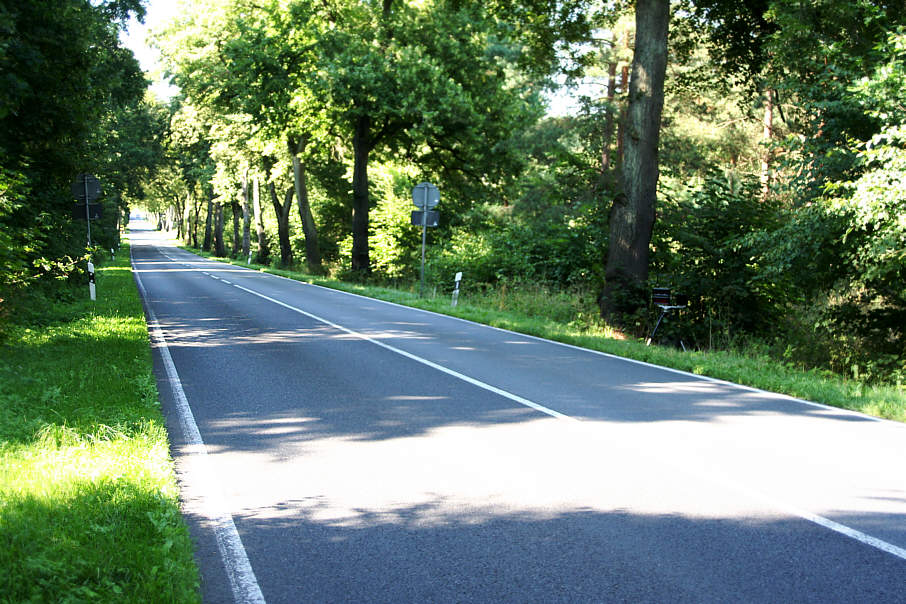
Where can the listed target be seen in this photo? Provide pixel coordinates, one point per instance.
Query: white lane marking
(608, 355)
(418, 359)
(242, 578)
(715, 479)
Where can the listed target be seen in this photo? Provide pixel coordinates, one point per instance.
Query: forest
(750, 155)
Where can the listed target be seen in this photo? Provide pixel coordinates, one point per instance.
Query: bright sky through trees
(136, 38)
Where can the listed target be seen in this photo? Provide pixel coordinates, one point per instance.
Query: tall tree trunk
(767, 136)
(361, 148)
(196, 207)
(312, 252)
(632, 213)
(624, 90)
(179, 206)
(282, 211)
(609, 119)
(219, 247)
(187, 218)
(263, 254)
(208, 223)
(237, 242)
(246, 217)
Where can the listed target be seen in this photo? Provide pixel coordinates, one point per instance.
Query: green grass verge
(530, 313)
(89, 506)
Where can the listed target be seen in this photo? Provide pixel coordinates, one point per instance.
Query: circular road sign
(425, 195)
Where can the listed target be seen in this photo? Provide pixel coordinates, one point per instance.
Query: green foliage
(70, 102)
(814, 61)
(395, 243)
(869, 312)
(499, 246)
(704, 249)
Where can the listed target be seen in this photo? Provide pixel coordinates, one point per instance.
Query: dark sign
(86, 187)
(432, 218)
(94, 211)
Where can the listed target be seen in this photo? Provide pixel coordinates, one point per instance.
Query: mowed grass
(89, 506)
(571, 318)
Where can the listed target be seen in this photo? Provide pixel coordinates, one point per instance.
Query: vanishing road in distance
(334, 448)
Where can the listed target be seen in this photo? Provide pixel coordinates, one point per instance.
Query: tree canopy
(71, 101)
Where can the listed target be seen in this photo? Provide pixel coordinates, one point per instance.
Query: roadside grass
(565, 317)
(89, 507)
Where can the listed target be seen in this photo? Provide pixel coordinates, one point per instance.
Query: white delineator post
(456, 288)
(91, 289)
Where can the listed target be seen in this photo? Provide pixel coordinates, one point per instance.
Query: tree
(64, 81)
(254, 60)
(429, 81)
(632, 213)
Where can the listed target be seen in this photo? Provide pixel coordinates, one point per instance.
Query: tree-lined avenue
(371, 452)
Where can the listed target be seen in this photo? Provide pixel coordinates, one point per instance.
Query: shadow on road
(430, 553)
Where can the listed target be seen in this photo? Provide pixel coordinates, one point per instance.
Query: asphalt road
(333, 448)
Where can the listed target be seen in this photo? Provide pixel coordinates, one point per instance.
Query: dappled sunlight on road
(542, 467)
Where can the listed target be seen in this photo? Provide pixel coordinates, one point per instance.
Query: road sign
(86, 187)
(425, 195)
(95, 210)
(419, 218)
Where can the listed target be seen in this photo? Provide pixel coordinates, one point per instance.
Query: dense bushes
(496, 245)
(703, 247)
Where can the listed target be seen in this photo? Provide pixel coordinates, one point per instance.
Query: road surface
(333, 448)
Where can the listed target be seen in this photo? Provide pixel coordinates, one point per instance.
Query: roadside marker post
(456, 288)
(91, 287)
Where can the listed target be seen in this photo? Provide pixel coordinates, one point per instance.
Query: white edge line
(242, 578)
(841, 529)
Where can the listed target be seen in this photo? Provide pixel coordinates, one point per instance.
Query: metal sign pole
(421, 291)
(87, 213)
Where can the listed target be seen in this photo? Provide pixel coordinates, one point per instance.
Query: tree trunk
(767, 135)
(632, 213)
(282, 211)
(264, 252)
(246, 217)
(608, 119)
(208, 223)
(624, 90)
(296, 147)
(187, 218)
(219, 248)
(361, 146)
(237, 242)
(180, 212)
(196, 206)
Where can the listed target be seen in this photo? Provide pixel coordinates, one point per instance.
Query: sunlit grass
(570, 317)
(89, 505)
